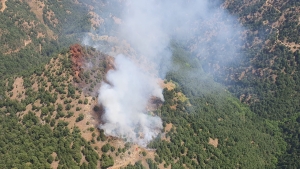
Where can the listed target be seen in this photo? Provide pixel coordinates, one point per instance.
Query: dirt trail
(3, 5)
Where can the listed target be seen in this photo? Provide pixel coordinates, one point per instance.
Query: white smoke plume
(125, 100)
(149, 26)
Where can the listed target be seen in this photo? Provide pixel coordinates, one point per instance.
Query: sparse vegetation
(86, 101)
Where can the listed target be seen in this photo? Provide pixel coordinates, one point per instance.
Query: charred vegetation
(89, 67)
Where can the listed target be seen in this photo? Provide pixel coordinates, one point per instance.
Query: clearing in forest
(213, 142)
(3, 5)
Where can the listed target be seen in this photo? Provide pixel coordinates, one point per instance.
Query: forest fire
(124, 91)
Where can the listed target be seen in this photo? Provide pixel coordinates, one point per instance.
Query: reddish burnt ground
(77, 56)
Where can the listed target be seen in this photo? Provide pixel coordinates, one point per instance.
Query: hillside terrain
(31, 32)
(221, 109)
(268, 80)
(54, 109)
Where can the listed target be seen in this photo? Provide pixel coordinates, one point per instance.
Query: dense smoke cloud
(125, 100)
(149, 26)
(201, 25)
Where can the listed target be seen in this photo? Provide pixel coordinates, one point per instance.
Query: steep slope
(54, 107)
(264, 75)
(268, 80)
(213, 129)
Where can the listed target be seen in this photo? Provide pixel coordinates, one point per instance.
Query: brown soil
(163, 167)
(168, 85)
(40, 35)
(18, 91)
(134, 157)
(86, 123)
(174, 107)
(50, 16)
(213, 142)
(54, 164)
(3, 5)
(168, 127)
(293, 46)
(26, 42)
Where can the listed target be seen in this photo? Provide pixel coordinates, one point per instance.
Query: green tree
(80, 117)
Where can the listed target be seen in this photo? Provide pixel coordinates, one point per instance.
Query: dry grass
(181, 97)
(37, 8)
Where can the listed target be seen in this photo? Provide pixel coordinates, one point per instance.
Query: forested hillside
(241, 111)
(269, 80)
(32, 31)
(48, 120)
(37, 130)
(212, 129)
